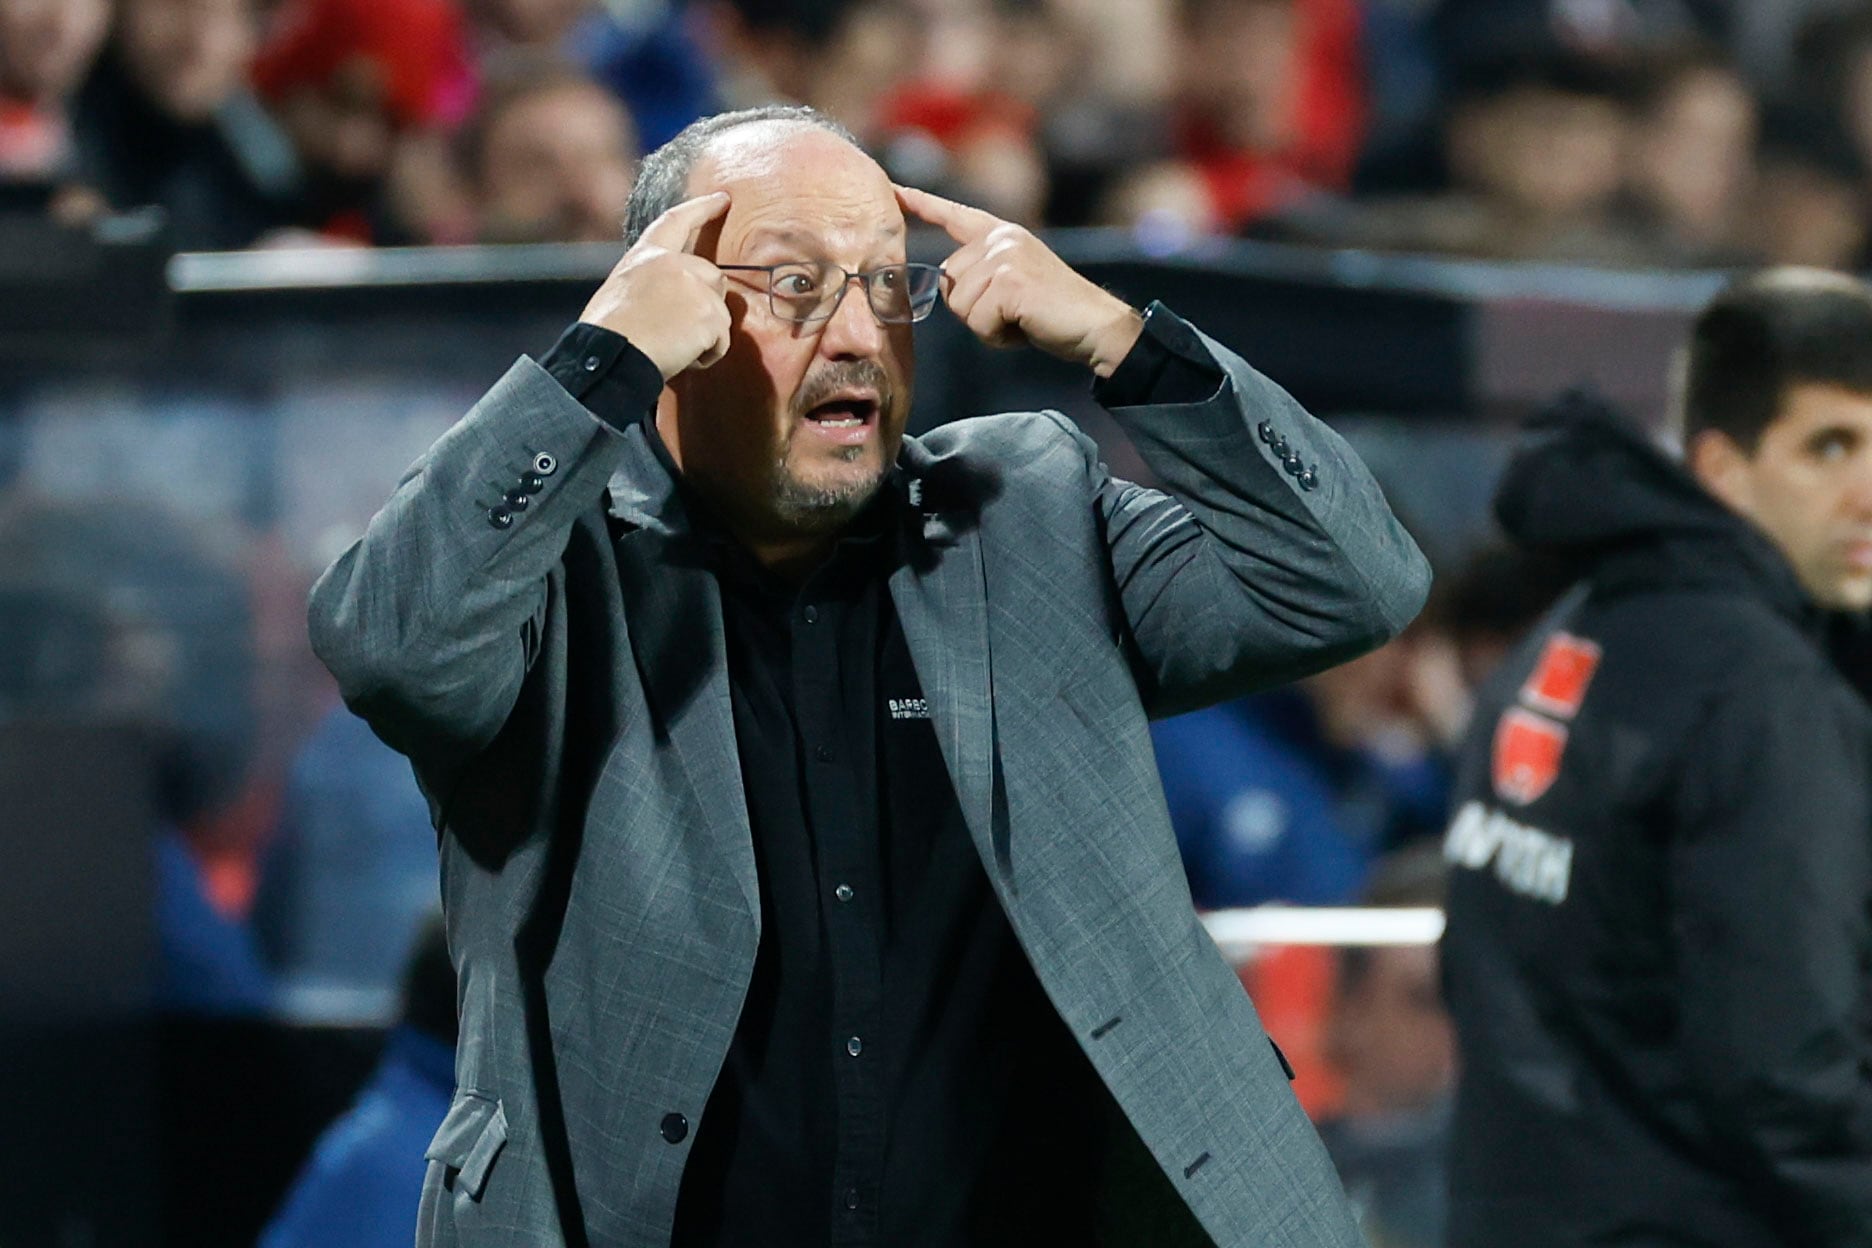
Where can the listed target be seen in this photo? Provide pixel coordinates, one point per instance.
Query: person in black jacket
(1658, 954)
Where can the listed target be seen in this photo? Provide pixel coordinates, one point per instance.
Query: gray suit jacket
(561, 687)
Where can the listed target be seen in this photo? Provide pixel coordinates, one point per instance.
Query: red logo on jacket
(1531, 738)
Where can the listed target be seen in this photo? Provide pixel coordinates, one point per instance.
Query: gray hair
(663, 177)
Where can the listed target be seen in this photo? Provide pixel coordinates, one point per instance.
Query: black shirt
(897, 1076)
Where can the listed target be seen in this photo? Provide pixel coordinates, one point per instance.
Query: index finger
(959, 221)
(679, 227)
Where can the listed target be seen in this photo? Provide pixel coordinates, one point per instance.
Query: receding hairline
(748, 137)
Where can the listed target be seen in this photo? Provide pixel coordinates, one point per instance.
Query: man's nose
(853, 331)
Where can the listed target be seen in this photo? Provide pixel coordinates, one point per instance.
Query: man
(168, 118)
(806, 870)
(548, 155)
(364, 90)
(1658, 931)
(46, 48)
(1389, 1037)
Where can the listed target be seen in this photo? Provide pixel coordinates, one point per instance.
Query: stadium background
(255, 256)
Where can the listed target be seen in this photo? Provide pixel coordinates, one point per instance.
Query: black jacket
(1658, 943)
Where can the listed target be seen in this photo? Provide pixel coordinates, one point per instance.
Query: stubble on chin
(812, 508)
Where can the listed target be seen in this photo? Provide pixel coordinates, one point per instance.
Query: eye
(891, 279)
(795, 283)
(1832, 445)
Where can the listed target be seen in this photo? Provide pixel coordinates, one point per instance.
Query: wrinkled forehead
(796, 186)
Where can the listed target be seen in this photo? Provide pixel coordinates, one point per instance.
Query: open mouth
(844, 421)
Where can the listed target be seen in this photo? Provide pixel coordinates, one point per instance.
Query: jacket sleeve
(1770, 879)
(1270, 554)
(431, 619)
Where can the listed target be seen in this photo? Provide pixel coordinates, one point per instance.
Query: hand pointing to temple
(1010, 289)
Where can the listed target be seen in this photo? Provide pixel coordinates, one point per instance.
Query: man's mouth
(847, 420)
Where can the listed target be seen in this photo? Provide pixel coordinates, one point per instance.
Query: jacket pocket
(470, 1138)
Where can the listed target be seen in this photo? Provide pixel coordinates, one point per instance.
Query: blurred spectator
(167, 118)
(968, 124)
(1535, 150)
(642, 52)
(1392, 1042)
(1610, 33)
(549, 156)
(364, 1181)
(363, 89)
(1833, 64)
(1810, 203)
(1492, 602)
(46, 48)
(350, 870)
(1690, 164)
(769, 51)
(1290, 795)
(1269, 109)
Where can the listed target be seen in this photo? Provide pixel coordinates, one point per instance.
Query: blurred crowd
(1617, 132)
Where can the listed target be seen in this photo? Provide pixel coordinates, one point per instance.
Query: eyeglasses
(805, 291)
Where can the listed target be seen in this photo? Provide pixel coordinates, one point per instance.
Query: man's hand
(1009, 288)
(666, 299)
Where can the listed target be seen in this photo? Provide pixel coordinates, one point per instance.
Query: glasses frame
(917, 312)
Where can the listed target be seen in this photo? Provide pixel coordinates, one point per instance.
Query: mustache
(827, 381)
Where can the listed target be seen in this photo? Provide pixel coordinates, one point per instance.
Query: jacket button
(1266, 431)
(532, 482)
(517, 499)
(1294, 465)
(1309, 480)
(545, 464)
(500, 517)
(675, 1128)
(1280, 448)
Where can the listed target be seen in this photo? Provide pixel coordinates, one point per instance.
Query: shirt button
(823, 753)
(851, 1198)
(854, 1046)
(843, 892)
(675, 1128)
(810, 614)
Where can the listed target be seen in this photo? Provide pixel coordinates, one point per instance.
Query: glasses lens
(904, 292)
(802, 292)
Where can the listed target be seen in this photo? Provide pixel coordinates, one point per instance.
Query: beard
(808, 507)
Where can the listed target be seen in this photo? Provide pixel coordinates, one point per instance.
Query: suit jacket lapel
(674, 613)
(940, 592)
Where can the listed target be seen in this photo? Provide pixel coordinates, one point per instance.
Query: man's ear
(1720, 465)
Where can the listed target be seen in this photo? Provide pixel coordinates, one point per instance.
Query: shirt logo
(1531, 738)
(908, 708)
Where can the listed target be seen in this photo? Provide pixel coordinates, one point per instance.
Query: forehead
(794, 186)
(1808, 407)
